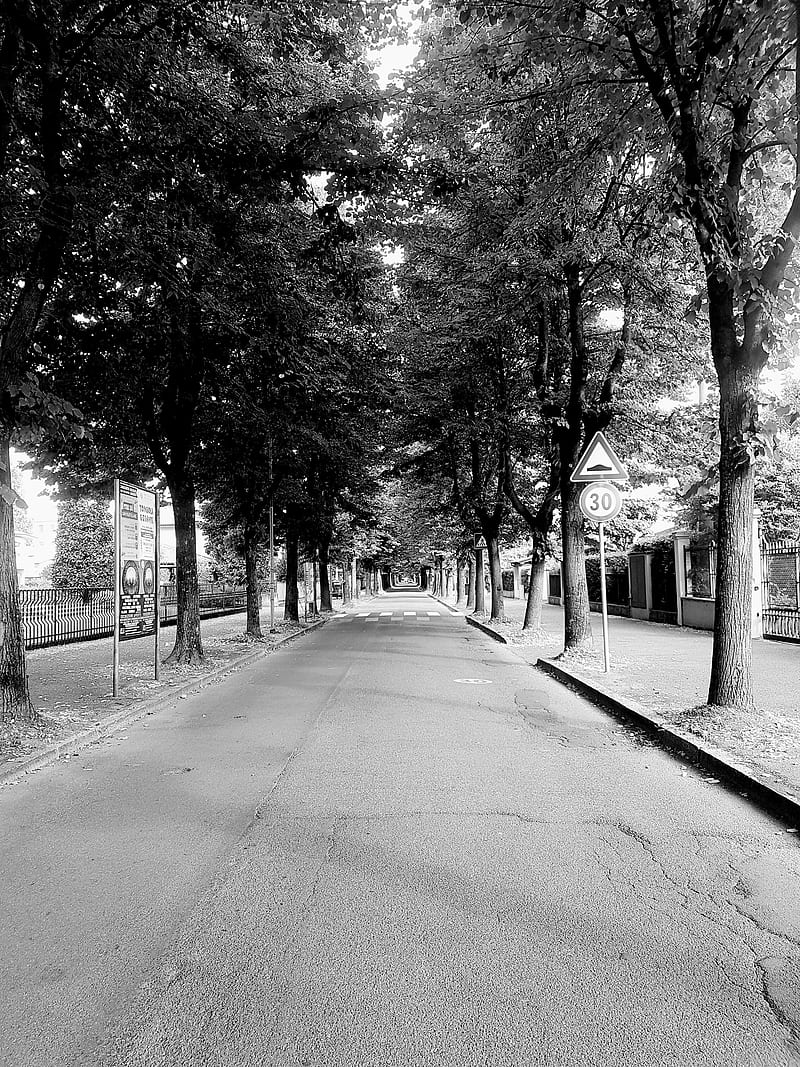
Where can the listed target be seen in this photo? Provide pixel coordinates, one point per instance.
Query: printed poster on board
(137, 561)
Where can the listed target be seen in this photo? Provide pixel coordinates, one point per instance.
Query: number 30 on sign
(601, 501)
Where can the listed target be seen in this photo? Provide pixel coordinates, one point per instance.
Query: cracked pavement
(380, 865)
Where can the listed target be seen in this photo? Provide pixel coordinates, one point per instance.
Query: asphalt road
(392, 843)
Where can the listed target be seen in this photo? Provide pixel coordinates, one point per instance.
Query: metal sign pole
(603, 599)
(117, 581)
(157, 568)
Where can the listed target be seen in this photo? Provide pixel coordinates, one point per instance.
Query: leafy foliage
(84, 555)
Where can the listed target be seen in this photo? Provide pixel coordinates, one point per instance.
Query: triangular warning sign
(599, 463)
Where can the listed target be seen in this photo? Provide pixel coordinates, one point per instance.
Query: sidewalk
(665, 670)
(70, 685)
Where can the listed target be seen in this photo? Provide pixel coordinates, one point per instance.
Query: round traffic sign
(601, 501)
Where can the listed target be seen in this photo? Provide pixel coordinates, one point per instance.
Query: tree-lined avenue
(391, 843)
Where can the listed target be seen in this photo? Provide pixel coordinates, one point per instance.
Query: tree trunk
(459, 579)
(495, 579)
(533, 606)
(188, 643)
(291, 610)
(471, 573)
(480, 583)
(253, 584)
(354, 579)
(325, 602)
(15, 703)
(577, 617)
(731, 662)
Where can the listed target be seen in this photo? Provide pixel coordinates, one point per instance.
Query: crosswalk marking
(397, 616)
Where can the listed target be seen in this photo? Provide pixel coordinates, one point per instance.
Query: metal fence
(61, 616)
(780, 567)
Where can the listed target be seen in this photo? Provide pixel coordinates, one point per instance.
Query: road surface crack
(292, 948)
(761, 973)
(790, 1025)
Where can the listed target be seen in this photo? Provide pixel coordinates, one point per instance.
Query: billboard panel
(136, 556)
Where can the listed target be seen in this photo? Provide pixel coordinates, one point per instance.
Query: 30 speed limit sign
(601, 501)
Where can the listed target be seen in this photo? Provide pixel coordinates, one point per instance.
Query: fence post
(681, 540)
(757, 621)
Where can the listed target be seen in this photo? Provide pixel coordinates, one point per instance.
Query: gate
(780, 572)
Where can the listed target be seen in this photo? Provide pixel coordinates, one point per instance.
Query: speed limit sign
(601, 501)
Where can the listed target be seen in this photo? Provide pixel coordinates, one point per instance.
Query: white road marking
(409, 614)
(387, 614)
(372, 618)
(362, 615)
(473, 681)
(434, 614)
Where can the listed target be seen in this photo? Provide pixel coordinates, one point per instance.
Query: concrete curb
(486, 628)
(450, 607)
(745, 781)
(137, 711)
(472, 621)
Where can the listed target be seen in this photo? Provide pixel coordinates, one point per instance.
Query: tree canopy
(591, 209)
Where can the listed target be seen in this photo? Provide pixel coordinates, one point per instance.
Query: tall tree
(722, 79)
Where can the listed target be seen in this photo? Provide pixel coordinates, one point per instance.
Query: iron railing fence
(61, 616)
(780, 569)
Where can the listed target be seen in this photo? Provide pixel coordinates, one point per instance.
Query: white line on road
(362, 615)
(410, 614)
(387, 614)
(434, 614)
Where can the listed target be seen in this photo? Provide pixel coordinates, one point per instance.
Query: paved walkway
(667, 668)
(70, 685)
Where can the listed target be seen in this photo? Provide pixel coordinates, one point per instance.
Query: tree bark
(731, 682)
(15, 702)
(480, 584)
(459, 579)
(495, 579)
(471, 573)
(188, 643)
(533, 605)
(253, 583)
(291, 610)
(325, 601)
(577, 617)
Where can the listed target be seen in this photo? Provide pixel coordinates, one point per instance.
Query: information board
(137, 561)
(136, 570)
